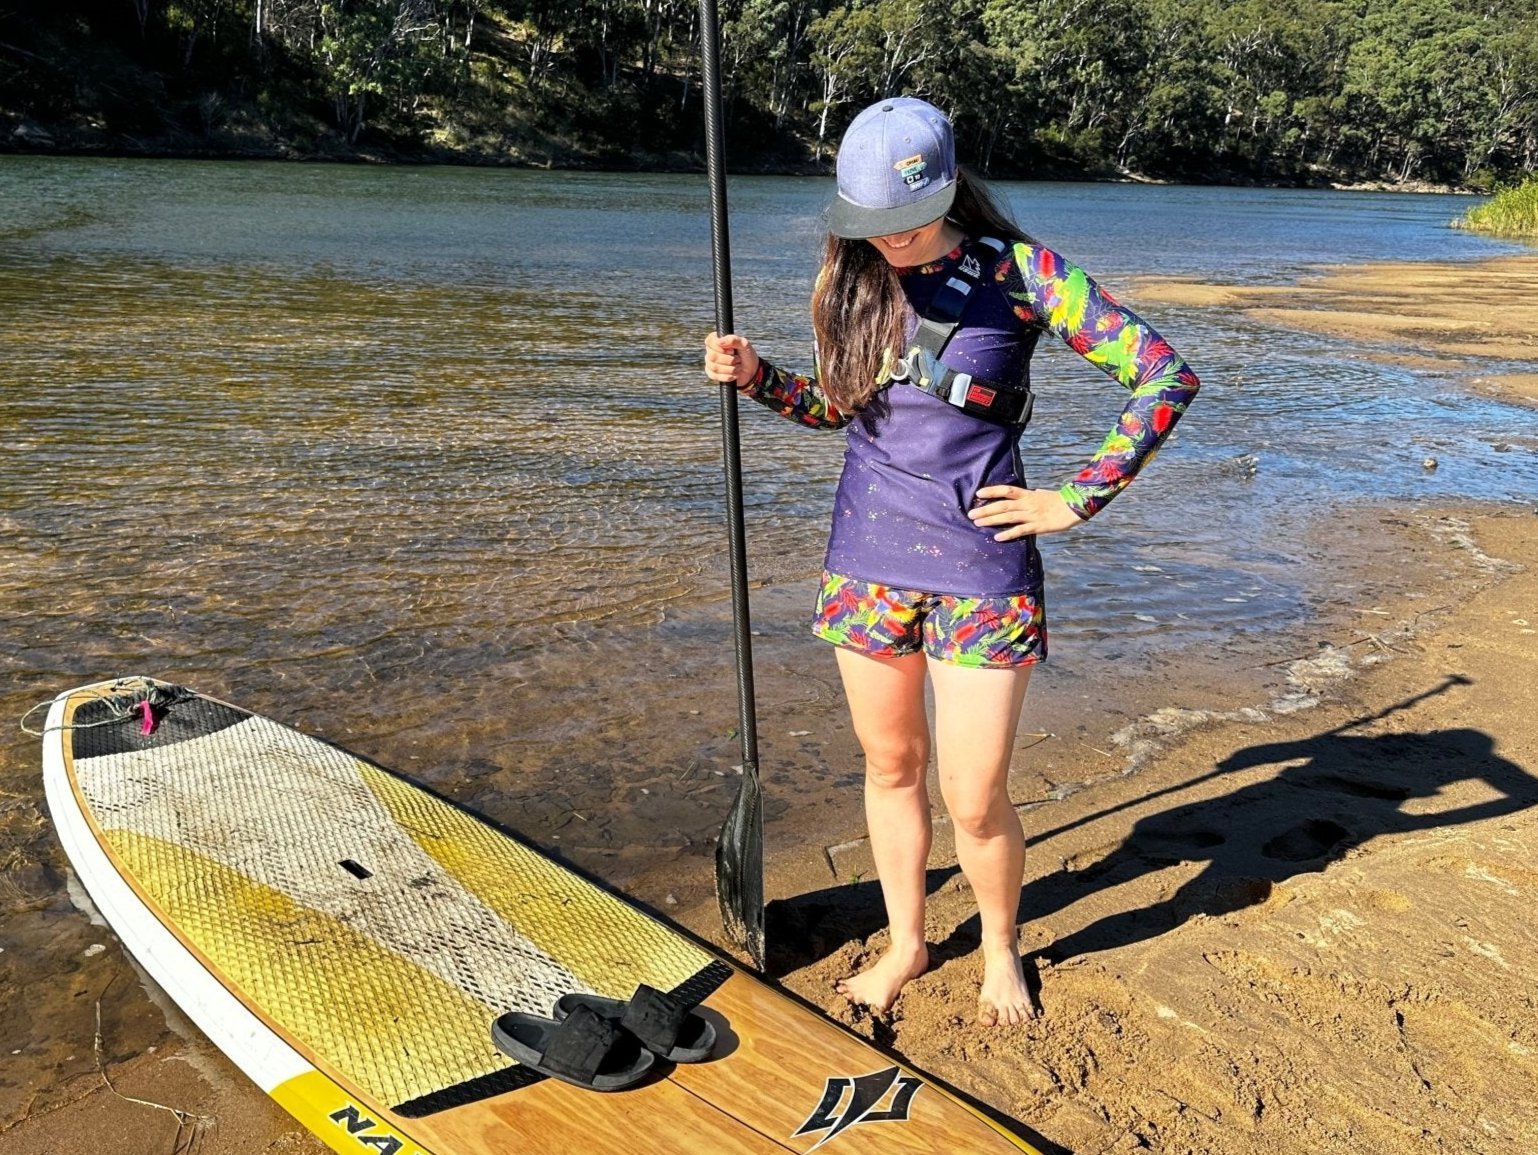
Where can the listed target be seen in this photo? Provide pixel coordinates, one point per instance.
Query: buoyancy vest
(922, 365)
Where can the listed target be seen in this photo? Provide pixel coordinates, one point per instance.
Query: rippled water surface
(421, 460)
(423, 456)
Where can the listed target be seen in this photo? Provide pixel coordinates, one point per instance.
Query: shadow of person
(807, 928)
(1333, 793)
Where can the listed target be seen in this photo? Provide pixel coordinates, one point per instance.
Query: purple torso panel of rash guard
(914, 463)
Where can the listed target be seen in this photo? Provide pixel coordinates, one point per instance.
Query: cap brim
(856, 222)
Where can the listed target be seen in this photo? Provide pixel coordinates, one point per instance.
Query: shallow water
(422, 459)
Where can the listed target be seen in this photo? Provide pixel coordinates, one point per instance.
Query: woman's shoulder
(1030, 276)
(1029, 260)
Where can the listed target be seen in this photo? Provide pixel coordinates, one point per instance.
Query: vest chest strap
(922, 365)
(1006, 404)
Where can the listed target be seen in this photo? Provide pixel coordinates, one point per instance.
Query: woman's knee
(981, 816)
(896, 767)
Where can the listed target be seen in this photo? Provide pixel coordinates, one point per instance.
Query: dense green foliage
(1512, 212)
(1432, 90)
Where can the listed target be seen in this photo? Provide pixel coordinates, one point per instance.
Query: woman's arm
(793, 396)
(1048, 290)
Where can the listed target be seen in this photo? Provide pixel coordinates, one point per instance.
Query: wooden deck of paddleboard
(770, 1082)
(346, 938)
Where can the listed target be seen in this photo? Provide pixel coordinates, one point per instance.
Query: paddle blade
(740, 868)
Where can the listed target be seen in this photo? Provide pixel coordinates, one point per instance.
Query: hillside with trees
(1310, 91)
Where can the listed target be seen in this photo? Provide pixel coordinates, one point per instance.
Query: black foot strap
(654, 1017)
(578, 1047)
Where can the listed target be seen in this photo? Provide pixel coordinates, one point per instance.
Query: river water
(421, 459)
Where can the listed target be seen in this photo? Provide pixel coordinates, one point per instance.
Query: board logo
(371, 1136)
(880, 1097)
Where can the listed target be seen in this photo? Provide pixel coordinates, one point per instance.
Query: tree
(372, 48)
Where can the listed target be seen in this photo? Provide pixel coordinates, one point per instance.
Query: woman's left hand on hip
(1023, 511)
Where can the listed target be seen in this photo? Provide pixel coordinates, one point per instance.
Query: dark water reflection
(421, 459)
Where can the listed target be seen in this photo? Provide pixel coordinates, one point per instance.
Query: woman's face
(917, 246)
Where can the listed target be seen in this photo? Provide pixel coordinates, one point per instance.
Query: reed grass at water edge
(1512, 212)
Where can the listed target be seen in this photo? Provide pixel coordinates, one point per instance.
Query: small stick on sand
(188, 1126)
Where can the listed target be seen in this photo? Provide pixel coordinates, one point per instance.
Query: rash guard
(913, 463)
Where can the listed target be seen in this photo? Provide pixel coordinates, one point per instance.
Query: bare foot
(1004, 1000)
(879, 986)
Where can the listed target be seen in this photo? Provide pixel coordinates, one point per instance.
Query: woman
(924, 337)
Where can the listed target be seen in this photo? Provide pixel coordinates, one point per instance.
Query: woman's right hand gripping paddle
(731, 360)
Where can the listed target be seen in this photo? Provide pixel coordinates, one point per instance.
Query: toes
(852, 994)
(1009, 1014)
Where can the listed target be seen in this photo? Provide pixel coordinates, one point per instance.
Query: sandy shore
(1302, 923)
(1306, 927)
(1291, 928)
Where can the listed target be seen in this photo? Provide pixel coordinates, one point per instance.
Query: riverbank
(1292, 920)
(1290, 925)
(526, 145)
(1304, 914)
(529, 150)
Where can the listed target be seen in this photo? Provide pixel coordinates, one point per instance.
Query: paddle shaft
(720, 250)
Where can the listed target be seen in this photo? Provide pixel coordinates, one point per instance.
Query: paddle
(740, 851)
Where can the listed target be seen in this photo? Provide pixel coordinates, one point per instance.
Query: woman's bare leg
(976, 713)
(886, 703)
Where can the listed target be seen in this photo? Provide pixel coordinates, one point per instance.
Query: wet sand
(1303, 918)
(1519, 388)
(1307, 928)
(1485, 309)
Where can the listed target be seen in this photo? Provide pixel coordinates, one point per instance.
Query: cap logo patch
(911, 170)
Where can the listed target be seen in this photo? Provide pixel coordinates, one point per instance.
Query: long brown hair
(859, 313)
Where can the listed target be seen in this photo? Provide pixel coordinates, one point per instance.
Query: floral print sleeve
(794, 397)
(1048, 291)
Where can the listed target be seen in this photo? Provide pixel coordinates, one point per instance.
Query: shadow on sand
(1332, 793)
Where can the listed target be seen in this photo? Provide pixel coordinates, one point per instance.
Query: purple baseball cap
(896, 170)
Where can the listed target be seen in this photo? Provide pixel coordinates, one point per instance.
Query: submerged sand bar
(1487, 309)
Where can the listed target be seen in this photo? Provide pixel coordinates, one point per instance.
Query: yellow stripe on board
(393, 1028)
(604, 942)
(341, 1123)
(1009, 1136)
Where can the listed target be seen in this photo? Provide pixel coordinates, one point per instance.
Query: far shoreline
(41, 143)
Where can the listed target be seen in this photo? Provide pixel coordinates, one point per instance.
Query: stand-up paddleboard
(348, 940)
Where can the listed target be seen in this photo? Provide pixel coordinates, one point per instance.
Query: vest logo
(980, 395)
(371, 1136)
(880, 1097)
(971, 266)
